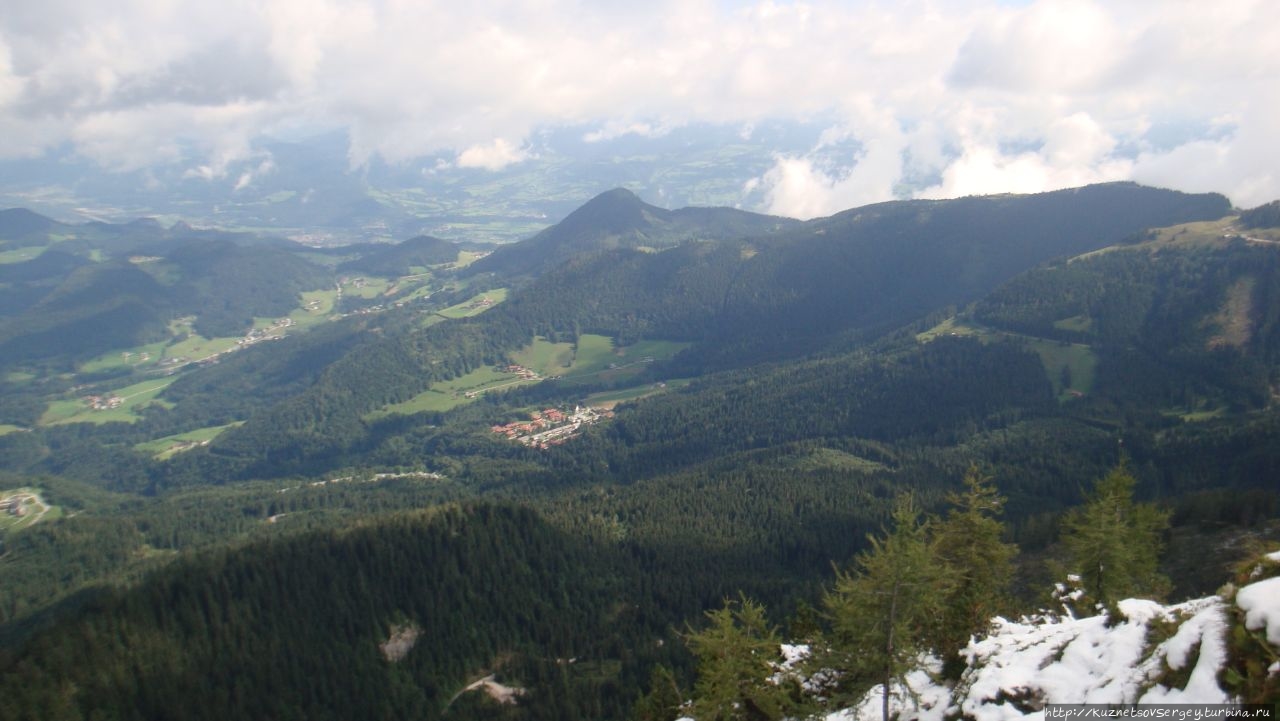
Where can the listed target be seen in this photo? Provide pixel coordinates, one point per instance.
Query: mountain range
(763, 388)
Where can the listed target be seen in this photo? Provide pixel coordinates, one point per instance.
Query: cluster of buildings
(524, 373)
(104, 403)
(550, 427)
(270, 333)
(15, 506)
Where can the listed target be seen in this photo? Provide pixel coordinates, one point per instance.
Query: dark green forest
(825, 369)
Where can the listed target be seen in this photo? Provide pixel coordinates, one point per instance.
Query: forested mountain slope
(619, 219)
(773, 393)
(299, 628)
(397, 259)
(745, 301)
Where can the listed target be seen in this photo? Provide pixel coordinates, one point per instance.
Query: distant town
(551, 427)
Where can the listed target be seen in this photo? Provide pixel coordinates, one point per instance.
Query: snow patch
(1261, 605)
(1024, 665)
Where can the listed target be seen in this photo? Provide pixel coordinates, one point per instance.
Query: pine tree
(1114, 544)
(882, 613)
(969, 542)
(737, 656)
(663, 701)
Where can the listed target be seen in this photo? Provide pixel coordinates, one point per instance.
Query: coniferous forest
(305, 503)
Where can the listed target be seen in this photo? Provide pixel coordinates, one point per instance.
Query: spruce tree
(1114, 544)
(737, 657)
(883, 611)
(969, 542)
(664, 699)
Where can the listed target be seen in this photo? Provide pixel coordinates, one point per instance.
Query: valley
(620, 421)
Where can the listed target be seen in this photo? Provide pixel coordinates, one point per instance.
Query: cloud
(618, 128)
(491, 156)
(928, 96)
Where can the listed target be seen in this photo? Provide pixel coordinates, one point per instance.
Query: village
(551, 427)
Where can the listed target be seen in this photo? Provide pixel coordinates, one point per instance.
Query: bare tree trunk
(888, 651)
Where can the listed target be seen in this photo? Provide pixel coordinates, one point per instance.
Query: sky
(929, 98)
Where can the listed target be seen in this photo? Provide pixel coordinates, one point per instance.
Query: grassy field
(193, 347)
(609, 399)
(467, 257)
(1077, 323)
(421, 291)
(317, 305)
(163, 448)
(475, 305)
(593, 354)
(78, 411)
(596, 358)
(407, 287)
(1078, 359)
(197, 347)
(950, 327)
(545, 357)
(453, 393)
(6, 429)
(138, 357)
(368, 287)
(35, 509)
(1198, 416)
(591, 359)
(21, 255)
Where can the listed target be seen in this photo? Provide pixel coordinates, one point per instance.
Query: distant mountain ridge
(397, 258)
(866, 268)
(620, 219)
(23, 226)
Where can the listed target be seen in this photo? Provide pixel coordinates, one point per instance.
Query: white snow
(922, 698)
(1204, 632)
(793, 654)
(1021, 666)
(1068, 661)
(1261, 604)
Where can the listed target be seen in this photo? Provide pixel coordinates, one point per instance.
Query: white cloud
(948, 95)
(491, 156)
(1076, 150)
(618, 128)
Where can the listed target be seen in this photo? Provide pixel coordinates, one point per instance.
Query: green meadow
(545, 357)
(474, 305)
(368, 287)
(136, 357)
(76, 410)
(608, 399)
(453, 393)
(597, 358)
(1073, 362)
(21, 255)
(163, 448)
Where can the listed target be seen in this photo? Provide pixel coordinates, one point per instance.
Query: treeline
(1263, 216)
(926, 585)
